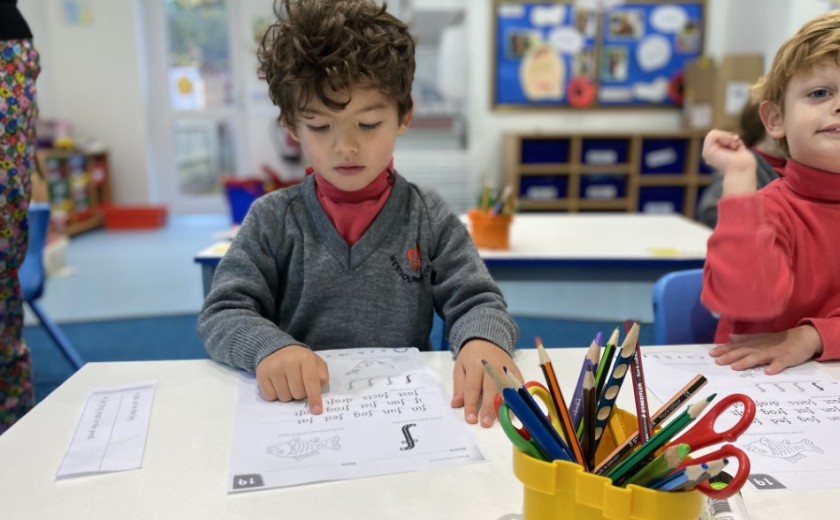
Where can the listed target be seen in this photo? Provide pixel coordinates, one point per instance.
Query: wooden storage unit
(77, 184)
(645, 172)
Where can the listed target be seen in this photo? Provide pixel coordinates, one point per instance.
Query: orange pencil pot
(490, 231)
(563, 490)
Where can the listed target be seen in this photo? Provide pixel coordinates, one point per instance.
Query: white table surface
(603, 236)
(585, 236)
(185, 466)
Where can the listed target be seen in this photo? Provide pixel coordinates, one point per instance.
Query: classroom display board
(578, 54)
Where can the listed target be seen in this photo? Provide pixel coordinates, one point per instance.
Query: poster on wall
(567, 54)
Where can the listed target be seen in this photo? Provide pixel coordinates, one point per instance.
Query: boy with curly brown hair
(354, 256)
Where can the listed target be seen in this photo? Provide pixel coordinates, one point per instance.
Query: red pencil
(638, 377)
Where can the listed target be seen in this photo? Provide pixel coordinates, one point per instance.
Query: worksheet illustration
(792, 440)
(384, 412)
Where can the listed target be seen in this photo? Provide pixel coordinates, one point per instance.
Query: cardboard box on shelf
(714, 94)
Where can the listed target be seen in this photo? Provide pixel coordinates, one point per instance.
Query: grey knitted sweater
(290, 278)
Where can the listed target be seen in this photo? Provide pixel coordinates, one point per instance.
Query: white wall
(93, 76)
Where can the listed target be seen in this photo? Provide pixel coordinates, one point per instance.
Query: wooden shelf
(77, 185)
(633, 172)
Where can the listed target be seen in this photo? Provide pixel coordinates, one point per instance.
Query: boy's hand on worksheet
(472, 385)
(293, 372)
(727, 153)
(777, 350)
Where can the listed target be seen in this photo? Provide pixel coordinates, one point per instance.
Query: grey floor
(131, 274)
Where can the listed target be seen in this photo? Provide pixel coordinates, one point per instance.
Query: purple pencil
(591, 360)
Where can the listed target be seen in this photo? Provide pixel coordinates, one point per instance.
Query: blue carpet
(175, 337)
(142, 339)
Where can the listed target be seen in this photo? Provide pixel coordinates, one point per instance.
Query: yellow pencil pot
(564, 490)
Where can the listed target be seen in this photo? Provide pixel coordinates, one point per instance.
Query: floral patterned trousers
(19, 67)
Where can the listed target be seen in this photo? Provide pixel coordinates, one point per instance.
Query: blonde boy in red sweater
(773, 265)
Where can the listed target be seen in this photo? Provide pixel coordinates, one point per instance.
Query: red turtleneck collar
(812, 183)
(352, 212)
(775, 161)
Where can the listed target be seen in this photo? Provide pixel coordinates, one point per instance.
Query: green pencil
(604, 363)
(661, 465)
(658, 440)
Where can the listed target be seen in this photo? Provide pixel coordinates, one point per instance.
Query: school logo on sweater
(413, 256)
(415, 264)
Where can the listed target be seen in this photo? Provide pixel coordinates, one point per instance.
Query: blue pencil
(540, 416)
(689, 476)
(713, 468)
(523, 411)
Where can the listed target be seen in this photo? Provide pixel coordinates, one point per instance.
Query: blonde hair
(817, 40)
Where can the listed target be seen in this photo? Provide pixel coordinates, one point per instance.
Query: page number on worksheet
(247, 481)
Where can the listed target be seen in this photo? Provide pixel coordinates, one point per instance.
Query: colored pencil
(589, 403)
(690, 476)
(658, 440)
(507, 191)
(606, 401)
(576, 406)
(660, 466)
(539, 413)
(543, 438)
(712, 469)
(560, 405)
(486, 194)
(660, 416)
(606, 361)
(637, 375)
(686, 474)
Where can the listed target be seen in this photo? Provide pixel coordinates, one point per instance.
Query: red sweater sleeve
(747, 274)
(829, 331)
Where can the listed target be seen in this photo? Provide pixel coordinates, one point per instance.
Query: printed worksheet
(384, 412)
(111, 432)
(792, 442)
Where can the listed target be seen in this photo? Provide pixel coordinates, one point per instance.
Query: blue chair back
(32, 272)
(32, 275)
(678, 316)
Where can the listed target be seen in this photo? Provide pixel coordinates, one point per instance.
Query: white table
(185, 465)
(588, 265)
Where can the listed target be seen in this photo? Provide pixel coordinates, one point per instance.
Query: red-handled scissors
(702, 434)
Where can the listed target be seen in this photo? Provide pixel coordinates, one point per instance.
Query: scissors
(518, 435)
(702, 434)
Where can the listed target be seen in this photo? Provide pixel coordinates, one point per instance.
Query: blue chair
(678, 316)
(32, 276)
(438, 335)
